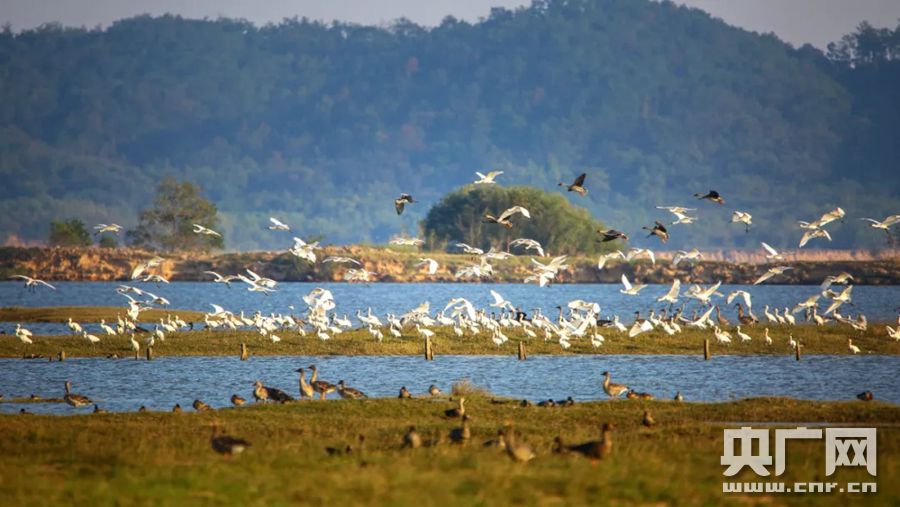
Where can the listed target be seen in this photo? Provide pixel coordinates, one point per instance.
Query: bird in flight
(504, 217)
(742, 217)
(770, 273)
(401, 202)
(278, 225)
(528, 244)
(113, 228)
(612, 235)
(577, 186)
(33, 283)
(658, 230)
(884, 224)
(712, 195)
(487, 179)
(199, 229)
(771, 252)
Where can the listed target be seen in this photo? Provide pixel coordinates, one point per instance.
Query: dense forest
(323, 125)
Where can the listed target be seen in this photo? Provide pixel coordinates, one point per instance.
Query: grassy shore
(166, 459)
(86, 314)
(814, 340)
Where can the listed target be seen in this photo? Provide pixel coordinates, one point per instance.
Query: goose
(104, 228)
(742, 335)
(263, 393)
(404, 393)
(199, 229)
(745, 318)
(630, 290)
(401, 202)
(577, 186)
(200, 406)
(458, 411)
(462, 434)
(648, 420)
(595, 449)
(237, 401)
(711, 196)
(278, 225)
(33, 283)
(771, 253)
(487, 179)
(679, 397)
(98, 410)
(852, 348)
(349, 393)
(865, 396)
(672, 295)
(683, 219)
(320, 386)
(433, 390)
(721, 319)
(528, 244)
(767, 338)
(504, 218)
(432, 265)
(884, 224)
(176, 409)
(742, 217)
(658, 230)
(306, 390)
(517, 451)
(683, 255)
(226, 444)
(75, 400)
(611, 389)
(812, 234)
(778, 270)
(611, 235)
(412, 439)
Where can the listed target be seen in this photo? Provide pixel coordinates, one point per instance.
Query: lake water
(125, 384)
(879, 303)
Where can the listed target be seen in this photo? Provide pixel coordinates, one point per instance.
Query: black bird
(712, 195)
(612, 235)
(225, 444)
(866, 396)
(577, 186)
(402, 201)
(658, 230)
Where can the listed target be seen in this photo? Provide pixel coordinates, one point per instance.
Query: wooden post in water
(429, 350)
(62, 355)
(244, 352)
(706, 349)
(149, 353)
(522, 355)
(797, 352)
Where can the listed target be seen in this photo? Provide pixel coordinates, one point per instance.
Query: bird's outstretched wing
(579, 181)
(626, 283)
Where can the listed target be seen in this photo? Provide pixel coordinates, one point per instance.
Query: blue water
(126, 384)
(878, 303)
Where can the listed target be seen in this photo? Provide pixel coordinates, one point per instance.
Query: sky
(816, 22)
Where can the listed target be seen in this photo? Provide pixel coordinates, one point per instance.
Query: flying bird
(401, 202)
(630, 290)
(742, 217)
(113, 228)
(612, 235)
(577, 185)
(771, 252)
(682, 255)
(430, 263)
(33, 283)
(884, 224)
(528, 244)
(672, 295)
(770, 273)
(278, 225)
(487, 179)
(712, 195)
(504, 217)
(658, 230)
(199, 229)
(812, 234)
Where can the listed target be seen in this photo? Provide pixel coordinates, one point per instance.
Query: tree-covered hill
(323, 125)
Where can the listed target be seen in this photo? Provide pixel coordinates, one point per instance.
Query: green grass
(165, 458)
(86, 314)
(823, 340)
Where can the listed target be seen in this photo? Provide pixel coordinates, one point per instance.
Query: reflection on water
(125, 385)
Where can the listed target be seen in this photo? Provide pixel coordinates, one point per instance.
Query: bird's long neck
(315, 375)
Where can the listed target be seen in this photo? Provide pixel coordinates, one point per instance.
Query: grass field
(166, 459)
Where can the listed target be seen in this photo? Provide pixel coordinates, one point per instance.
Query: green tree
(169, 224)
(108, 241)
(71, 232)
(559, 226)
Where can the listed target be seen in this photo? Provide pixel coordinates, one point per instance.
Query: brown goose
(320, 386)
(262, 393)
(577, 186)
(611, 389)
(658, 230)
(226, 444)
(199, 406)
(404, 393)
(712, 195)
(306, 390)
(237, 401)
(648, 420)
(402, 201)
(76, 400)
(458, 411)
(462, 434)
(678, 396)
(434, 390)
(612, 235)
(176, 409)
(516, 450)
(595, 449)
(865, 396)
(349, 393)
(98, 410)
(412, 439)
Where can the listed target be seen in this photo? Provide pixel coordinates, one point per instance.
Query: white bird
(636, 253)
(140, 268)
(841, 278)
(640, 326)
(106, 328)
(770, 273)
(676, 209)
(135, 346)
(222, 279)
(407, 241)
(601, 262)
(23, 335)
(884, 224)
(278, 225)
(722, 336)
(74, 326)
(772, 253)
(767, 338)
(487, 178)
(791, 342)
(504, 218)
(341, 260)
(853, 348)
(528, 244)
(470, 249)
(812, 234)
(672, 295)
(893, 333)
(432, 265)
(113, 228)
(703, 295)
(499, 302)
(682, 255)
(681, 218)
(89, 337)
(199, 229)
(630, 290)
(742, 217)
(742, 335)
(33, 283)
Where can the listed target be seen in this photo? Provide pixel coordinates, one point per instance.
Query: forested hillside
(323, 125)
